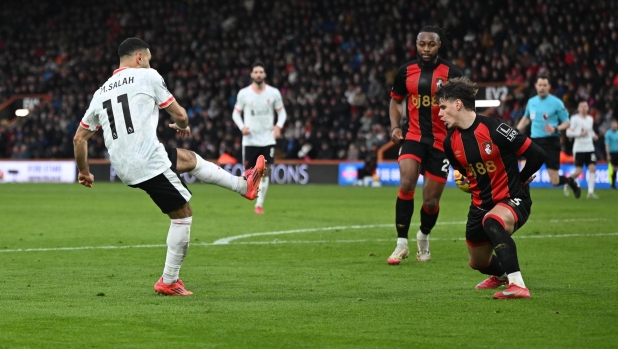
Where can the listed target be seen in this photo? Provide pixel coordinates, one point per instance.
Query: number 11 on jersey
(107, 105)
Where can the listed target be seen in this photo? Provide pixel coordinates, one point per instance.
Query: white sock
(177, 245)
(591, 178)
(421, 236)
(503, 277)
(402, 241)
(515, 278)
(262, 193)
(208, 172)
(422, 241)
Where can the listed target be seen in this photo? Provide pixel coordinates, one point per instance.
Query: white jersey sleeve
(160, 93)
(238, 108)
(90, 121)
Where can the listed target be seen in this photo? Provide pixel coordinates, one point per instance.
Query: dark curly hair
(458, 88)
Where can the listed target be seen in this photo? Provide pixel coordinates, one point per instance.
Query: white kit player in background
(126, 107)
(258, 103)
(581, 129)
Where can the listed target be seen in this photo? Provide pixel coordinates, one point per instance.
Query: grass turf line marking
(276, 241)
(226, 241)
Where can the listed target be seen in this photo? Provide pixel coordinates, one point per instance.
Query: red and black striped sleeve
(454, 71)
(448, 151)
(400, 90)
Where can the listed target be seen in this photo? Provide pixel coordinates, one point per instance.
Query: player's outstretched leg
(208, 172)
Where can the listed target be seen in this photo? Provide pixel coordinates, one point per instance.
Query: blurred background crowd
(334, 62)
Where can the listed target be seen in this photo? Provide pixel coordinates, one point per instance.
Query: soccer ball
(462, 181)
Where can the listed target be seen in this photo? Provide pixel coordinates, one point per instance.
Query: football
(461, 181)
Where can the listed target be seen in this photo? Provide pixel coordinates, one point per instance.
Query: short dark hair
(258, 64)
(542, 76)
(130, 46)
(459, 88)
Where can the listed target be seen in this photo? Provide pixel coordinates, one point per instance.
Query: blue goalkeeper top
(542, 111)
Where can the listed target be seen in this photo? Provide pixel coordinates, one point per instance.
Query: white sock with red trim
(177, 245)
(208, 172)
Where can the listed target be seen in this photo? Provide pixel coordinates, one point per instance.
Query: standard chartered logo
(260, 112)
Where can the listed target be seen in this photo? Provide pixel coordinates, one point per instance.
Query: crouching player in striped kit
(487, 151)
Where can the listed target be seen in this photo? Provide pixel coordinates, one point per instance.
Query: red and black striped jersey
(418, 84)
(487, 153)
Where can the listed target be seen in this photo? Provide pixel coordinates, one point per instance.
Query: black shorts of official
(551, 145)
(434, 163)
(251, 153)
(585, 158)
(613, 159)
(475, 234)
(167, 190)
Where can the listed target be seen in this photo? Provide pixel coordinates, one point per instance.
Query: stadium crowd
(334, 62)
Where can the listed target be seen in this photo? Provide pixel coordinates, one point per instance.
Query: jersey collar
(119, 70)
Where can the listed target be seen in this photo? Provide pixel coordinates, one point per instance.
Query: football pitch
(78, 267)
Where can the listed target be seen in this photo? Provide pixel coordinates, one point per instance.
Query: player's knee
(431, 205)
(493, 225)
(478, 266)
(406, 184)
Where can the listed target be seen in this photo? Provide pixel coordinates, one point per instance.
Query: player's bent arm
(179, 114)
(535, 157)
(80, 146)
(523, 123)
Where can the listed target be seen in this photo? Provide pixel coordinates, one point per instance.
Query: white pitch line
(226, 241)
(517, 237)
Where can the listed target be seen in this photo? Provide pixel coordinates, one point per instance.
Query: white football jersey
(127, 108)
(259, 114)
(578, 124)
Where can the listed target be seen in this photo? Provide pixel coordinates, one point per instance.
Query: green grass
(311, 289)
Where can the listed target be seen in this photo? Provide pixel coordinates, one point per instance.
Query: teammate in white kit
(583, 147)
(126, 107)
(258, 103)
